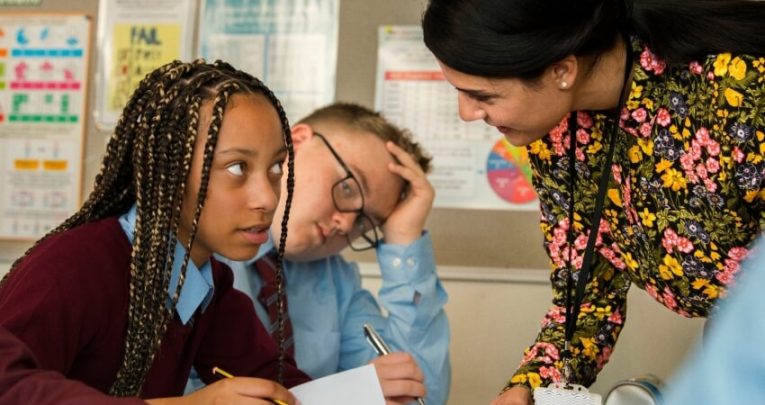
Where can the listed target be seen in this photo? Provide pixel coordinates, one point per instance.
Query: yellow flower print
(733, 97)
(673, 179)
(590, 348)
(663, 164)
(635, 154)
(673, 265)
(699, 283)
(636, 91)
(613, 195)
(647, 217)
(648, 103)
(750, 195)
(721, 64)
(629, 261)
(646, 144)
(534, 380)
(712, 291)
(594, 147)
(633, 104)
(519, 379)
(737, 68)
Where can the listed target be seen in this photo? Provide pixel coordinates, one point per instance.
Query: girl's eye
(236, 169)
(276, 169)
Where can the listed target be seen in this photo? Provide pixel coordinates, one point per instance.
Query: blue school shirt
(328, 308)
(197, 289)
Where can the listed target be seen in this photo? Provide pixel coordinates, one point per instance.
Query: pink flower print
(732, 266)
(607, 253)
(710, 185)
(725, 277)
(701, 170)
(584, 120)
(616, 170)
(605, 355)
(663, 117)
(618, 263)
(738, 155)
(624, 116)
(702, 135)
(669, 298)
(713, 147)
(695, 150)
(639, 115)
(738, 253)
(651, 290)
(686, 161)
(550, 373)
(713, 166)
(684, 245)
(616, 318)
(582, 136)
(580, 242)
(695, 68)
(669, 240)
(580, 154)
(556, 314)
(650, 62)
(711, 76)
(645, 129)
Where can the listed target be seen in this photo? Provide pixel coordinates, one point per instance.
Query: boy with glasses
(360, 182)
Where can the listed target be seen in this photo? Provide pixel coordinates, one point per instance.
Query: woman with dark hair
(644, 121)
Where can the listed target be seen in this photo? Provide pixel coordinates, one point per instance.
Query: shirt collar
(198, 288)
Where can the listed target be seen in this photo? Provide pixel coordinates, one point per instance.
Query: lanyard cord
(573, 306)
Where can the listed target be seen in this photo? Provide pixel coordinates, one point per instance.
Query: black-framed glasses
(348, 197)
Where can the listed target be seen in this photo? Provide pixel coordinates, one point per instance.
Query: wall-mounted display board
(43, 96)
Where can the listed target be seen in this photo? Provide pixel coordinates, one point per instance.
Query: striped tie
(266, 268)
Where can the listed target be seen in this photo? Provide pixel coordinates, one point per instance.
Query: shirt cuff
(407, 263)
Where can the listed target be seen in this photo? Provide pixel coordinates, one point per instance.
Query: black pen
(380, 347)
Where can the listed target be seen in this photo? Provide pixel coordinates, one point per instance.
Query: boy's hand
(400, 378)
(405, 224)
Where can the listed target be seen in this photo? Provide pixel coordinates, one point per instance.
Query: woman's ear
(300, 134)
(564, 72)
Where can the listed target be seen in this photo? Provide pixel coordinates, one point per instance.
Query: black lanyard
(572, 308)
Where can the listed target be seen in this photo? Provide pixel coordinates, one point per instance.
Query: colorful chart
(509, 173)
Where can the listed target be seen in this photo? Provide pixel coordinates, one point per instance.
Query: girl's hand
(237, 390)
(518, 395)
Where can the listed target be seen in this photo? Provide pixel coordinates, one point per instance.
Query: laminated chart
(43, 72)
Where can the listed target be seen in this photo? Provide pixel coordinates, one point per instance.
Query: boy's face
(245, 180)
(317, 228)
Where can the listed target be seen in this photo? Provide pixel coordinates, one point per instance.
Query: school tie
(266, 268)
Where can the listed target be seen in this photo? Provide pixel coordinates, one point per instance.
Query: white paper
(355, 386)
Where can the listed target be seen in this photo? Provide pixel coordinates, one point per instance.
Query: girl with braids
(124, 295)
(644, 123)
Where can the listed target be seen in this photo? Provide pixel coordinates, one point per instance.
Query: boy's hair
(147, 163)
(358, 117)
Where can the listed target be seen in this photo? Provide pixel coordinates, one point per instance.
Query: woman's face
(521, 112)
(245, 177)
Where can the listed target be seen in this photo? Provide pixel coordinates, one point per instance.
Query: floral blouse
(685, 198)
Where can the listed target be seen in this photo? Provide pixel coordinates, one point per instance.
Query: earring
(563, 84)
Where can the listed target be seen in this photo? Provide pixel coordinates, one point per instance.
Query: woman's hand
(518, 395)
(400, 378)
(238, 390)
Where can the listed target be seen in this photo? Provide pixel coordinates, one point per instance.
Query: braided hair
(147, 162)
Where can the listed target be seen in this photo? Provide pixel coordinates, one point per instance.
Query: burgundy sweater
(68, 300)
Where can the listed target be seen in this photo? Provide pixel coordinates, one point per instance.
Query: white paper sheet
(355, 386)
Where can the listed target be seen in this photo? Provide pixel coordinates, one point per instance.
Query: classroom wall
(492, 262)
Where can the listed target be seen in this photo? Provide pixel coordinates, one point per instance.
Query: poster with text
(473, 165)
(291, 45)
(43, 77)
(135, 37)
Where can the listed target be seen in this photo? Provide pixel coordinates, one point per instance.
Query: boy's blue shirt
(197, 289)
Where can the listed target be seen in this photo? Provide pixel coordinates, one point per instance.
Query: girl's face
(245, 176)
(520, 112)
